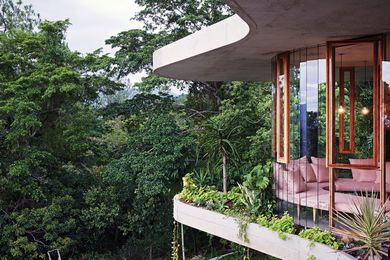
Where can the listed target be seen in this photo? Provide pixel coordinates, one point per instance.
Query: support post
(182, 243)
(331, 197)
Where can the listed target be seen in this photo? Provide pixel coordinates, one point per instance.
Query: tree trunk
(225, 173)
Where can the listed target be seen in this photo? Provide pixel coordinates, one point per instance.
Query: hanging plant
(175, 242)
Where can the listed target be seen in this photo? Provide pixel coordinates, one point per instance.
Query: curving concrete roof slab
(241, 47)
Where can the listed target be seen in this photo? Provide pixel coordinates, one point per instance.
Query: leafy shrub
(254, 197)
(284, 224)
(257, 184)
(210, 196)
(321, 236)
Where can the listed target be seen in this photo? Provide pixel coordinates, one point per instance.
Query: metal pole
(182, 243)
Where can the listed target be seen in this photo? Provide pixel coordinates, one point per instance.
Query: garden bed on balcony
(258, 238)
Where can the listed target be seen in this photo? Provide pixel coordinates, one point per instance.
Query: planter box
(260, 238)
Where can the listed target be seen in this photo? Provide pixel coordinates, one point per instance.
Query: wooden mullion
(382, 138)
(352, 111)
(375, 105)
(341, 115)
(283, 122)
(277, 109)
(286, 66)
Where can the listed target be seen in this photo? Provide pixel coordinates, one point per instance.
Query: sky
(93, 21)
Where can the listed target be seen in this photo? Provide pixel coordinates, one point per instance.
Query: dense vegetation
(96, 179)
(243, 203)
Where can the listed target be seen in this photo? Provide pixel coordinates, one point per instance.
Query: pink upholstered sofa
(307, 184)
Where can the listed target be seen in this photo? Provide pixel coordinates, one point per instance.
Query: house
(329, 62)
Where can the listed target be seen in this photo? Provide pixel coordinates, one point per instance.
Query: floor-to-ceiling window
(354, 123)
(335, 138)
(297, 186)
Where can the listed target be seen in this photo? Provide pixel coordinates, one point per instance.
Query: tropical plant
(257, 184)
(366, 225)
(249, 199)
(217, 135)
(315, 234)
(202, 177)
(210, 197)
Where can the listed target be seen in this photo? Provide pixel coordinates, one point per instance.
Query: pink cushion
(316, 160)
(363, 174)
(307, 172)
(368, 175)
(278, 174)
(320, 170)
(378, 175)
(294, 164)
(348, 184)
(304, 167)
(293, 182)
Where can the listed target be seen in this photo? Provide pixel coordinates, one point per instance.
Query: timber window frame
(351, 148)
(331, 105)
(282, 107)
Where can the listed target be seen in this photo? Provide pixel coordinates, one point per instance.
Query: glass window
(354, 104)
(386, 83)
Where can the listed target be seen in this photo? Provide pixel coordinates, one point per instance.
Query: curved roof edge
(241, 47)
(227, 32)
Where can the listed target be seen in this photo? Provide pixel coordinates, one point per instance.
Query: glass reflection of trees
(363, 122)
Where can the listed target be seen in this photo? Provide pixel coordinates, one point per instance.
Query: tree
(141, 178)
(217, 138)
(46, 130)
(16, 15)
(239, 132)
(165, 22)
(94, 176)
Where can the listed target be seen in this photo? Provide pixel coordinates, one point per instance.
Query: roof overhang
(241, 47)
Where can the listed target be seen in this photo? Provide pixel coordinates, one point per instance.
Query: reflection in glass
(386, 83)
(282, 108)
(354, 102)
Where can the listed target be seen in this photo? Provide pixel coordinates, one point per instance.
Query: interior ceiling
(278, 26)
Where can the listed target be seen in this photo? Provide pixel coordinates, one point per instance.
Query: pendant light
(365, 110)
(341, 109)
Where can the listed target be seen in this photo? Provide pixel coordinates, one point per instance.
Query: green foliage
(244, 201)
(141, 176)
(320, 236)
(257, 190)
(235, 131)
(202, 177)
(46, 129)
(211, 197)
(243, 223)
(94, 176)
(163, 23)
(282, 225)
(175, 242)
(13, 14)
(367, 225)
